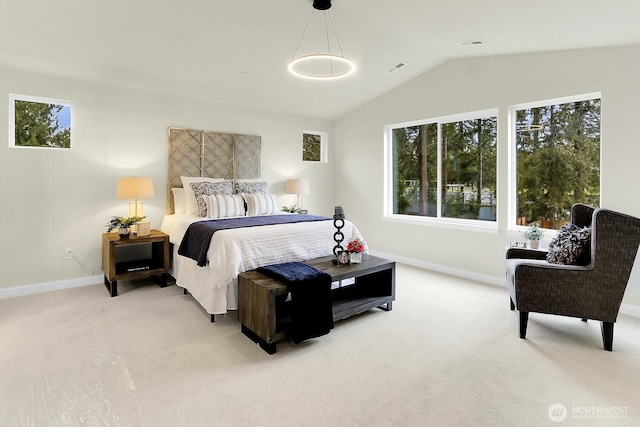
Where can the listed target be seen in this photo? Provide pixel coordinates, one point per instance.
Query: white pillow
(224, 206)
(190, 197)
(179, 201)
(261, 204)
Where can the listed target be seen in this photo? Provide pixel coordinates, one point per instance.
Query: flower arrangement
(356, 246)
(533, 233)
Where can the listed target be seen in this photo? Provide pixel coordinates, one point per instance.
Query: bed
(231, 252)
(202, 166)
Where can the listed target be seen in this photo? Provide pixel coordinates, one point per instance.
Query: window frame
(512, 228)
(13, 97)
(438, 221)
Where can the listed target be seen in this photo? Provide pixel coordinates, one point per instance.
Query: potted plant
(292, 209)
(533, 234)
(123, 224)
(356, 247)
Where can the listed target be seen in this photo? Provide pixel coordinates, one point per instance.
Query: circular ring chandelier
(325, 65)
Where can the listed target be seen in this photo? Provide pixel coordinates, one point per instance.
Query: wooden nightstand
(115, 268)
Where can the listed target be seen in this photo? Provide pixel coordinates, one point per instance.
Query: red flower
(356, 245)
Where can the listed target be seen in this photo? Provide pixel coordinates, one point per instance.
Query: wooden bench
(263, 307)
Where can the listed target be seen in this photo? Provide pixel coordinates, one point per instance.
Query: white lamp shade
(135, 188)
(297, 186)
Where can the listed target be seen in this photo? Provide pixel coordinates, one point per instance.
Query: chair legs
(607, 335)
(524, 318)
(606, 327)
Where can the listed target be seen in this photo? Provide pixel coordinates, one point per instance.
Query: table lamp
(297, 186)
(135, 189)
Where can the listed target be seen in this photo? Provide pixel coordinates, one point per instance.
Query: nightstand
(154, 262)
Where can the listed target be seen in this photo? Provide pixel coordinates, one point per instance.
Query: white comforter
(231, 252)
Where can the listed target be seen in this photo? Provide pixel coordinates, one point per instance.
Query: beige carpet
(447, 355)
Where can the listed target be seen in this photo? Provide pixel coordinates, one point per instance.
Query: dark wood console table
(262, 305)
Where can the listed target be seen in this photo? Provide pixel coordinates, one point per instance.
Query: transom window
(36, 122)
(556, 161)
(444, 168)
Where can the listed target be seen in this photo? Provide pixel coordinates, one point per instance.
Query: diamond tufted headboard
(211, 154)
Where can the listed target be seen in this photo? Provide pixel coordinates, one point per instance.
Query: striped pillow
(201, 189)
(224, 206)
(261, 204)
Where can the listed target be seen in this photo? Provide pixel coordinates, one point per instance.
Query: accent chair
(590, 291)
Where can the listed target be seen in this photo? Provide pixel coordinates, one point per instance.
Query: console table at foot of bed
(263, 310)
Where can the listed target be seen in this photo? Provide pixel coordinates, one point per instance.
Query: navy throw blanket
(311, 303)
(195, 243)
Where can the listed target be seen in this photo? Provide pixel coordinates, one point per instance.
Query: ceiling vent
(472, 43)
(396, 67)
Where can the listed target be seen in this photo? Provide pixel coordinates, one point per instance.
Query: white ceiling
(237, 51)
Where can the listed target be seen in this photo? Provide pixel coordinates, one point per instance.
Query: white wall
(57, 199)
(481, 83)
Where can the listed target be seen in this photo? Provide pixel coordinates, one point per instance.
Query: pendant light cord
(303, 33)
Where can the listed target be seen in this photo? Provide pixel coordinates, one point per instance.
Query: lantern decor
(338, 223)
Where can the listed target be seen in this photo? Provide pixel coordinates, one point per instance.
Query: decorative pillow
(179, 200)
(571, 246)
(190, 197)
(251, 187)
(209, 188)
(260, 204)
(224, 206)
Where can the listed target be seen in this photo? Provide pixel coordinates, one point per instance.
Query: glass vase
(355, 257)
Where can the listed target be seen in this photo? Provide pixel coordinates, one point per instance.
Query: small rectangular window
(36, 122)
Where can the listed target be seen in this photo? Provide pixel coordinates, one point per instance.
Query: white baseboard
(19, 291)
(627, 309)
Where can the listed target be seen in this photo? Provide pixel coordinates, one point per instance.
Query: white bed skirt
(215, 286)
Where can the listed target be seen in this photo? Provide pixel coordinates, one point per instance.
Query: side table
(115, 269)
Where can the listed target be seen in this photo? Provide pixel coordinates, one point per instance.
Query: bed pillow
(179, 200)
(190, 197)
(572, 246)
(261, 204)
(209, 188)
(224, 206)
(251, 187)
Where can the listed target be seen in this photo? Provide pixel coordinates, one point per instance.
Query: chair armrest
(526, 253)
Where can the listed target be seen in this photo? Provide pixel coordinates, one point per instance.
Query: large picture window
(557, 159)
(36, 122)
(444, 168)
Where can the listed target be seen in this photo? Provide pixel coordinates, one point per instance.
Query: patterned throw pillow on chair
(572, 246)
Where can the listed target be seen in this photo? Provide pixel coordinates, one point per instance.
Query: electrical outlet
(68, 253)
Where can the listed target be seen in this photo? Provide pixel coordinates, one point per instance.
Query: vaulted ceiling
(237, 51)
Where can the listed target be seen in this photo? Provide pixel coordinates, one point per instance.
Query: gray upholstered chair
(592, 291)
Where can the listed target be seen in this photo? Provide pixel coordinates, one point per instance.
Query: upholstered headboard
(211, 154)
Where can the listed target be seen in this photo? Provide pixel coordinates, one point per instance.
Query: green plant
(123, 222)
(533, 233)
(291, 209)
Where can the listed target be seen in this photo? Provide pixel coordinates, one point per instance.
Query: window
(444, 168)
(314, 146)
(39, 122)
(556, 158)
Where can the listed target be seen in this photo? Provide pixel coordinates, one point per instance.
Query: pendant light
(323, 65)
